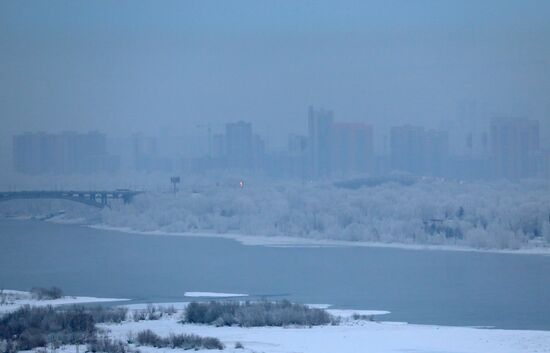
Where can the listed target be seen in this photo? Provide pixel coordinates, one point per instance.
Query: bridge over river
(98, 198)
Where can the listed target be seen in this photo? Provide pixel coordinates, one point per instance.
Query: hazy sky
(144, 65)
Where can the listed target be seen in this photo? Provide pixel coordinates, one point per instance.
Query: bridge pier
(127, 198)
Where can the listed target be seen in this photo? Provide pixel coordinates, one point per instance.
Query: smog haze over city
(360, 176)
(124, 68)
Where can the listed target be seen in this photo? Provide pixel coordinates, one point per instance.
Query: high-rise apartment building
(238, 144)
(419, 151)
(514, 146)
(436, 152)
(238, 147)
(320, 123)
(407, 148)
(63, 153)
(144, 149)
(352, 148)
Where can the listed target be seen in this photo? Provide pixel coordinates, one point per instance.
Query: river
(418, 286)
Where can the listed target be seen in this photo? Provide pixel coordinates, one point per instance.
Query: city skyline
(509, 147)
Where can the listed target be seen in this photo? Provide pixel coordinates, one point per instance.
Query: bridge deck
(93, 198)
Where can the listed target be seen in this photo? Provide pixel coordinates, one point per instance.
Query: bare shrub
(249, 314)
(46, 293)
(139, 315)
(356, 316)
(30, 327)
(183, 341)
(169, 310)
(30, 338)
(110, 315)
(149, 338)
(106, 345)
(153, 312)
(7, 346)
(3, 297)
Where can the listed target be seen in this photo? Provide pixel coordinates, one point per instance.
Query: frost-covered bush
(251, 314)
(108, 315)
(149, 338)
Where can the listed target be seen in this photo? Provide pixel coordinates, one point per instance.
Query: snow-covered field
(351, 335)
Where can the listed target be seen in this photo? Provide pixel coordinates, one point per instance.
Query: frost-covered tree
(500, 215)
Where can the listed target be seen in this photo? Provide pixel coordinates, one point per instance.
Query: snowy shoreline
(14, 299)
(350, 336)
(496, 217)
(287, 241)
(297, 242)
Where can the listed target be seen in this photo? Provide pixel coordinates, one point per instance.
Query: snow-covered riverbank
(297, 242)
(11, 300)
(351, 335)
(427, 214)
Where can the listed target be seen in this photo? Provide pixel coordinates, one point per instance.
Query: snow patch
(213, 295)
(348, 313)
